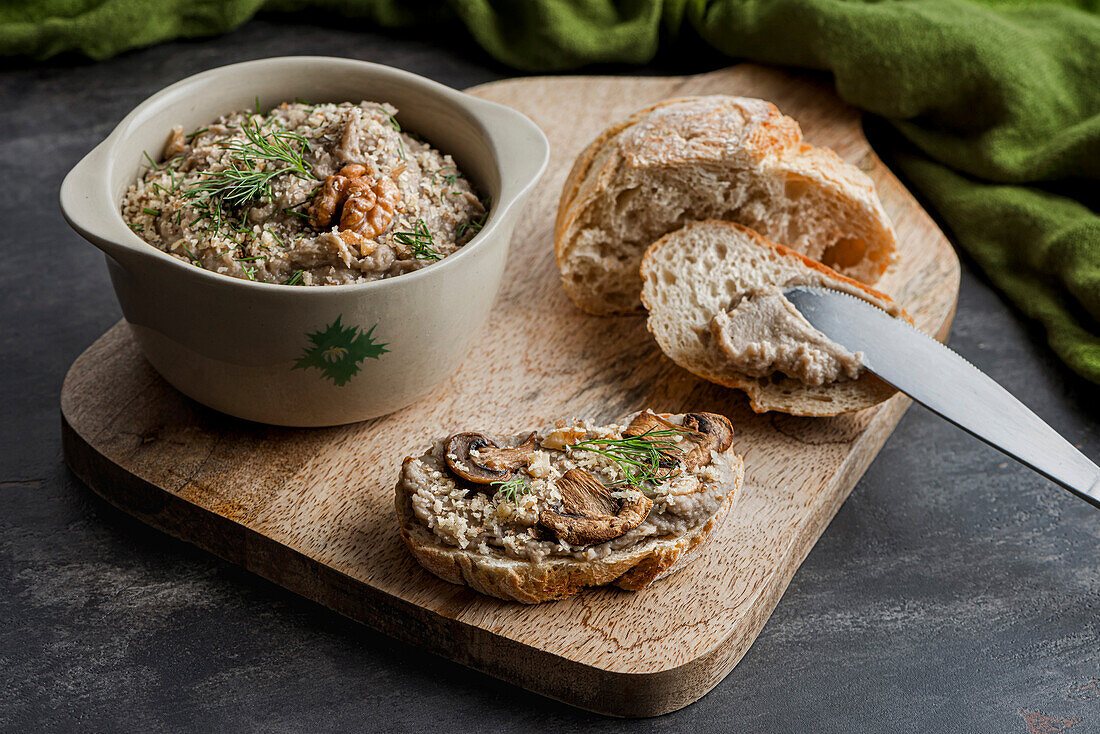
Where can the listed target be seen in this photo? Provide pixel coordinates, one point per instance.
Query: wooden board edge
(610, 693)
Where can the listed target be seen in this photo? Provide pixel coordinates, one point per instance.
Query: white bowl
(235, 345)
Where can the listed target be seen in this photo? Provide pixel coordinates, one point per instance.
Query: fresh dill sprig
(195, 134)
(396, 126)
(392, 120)
(151, 212)
(253, 164)
(513, 489)
(170, 164)
(473, 225)
(638, 457)
(294, 279)
(211, 211)
(191, 254)
(450, 179)
(420, 240)
(252, 259)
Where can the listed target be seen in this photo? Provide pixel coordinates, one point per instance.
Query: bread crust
(767, 140)
(556, 577)
(781, 394)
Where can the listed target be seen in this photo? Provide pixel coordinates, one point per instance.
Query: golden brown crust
(579, 173)
(771, 140)
(664, 560)
(557, 577)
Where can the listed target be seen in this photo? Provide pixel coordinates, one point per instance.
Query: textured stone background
(955, 591)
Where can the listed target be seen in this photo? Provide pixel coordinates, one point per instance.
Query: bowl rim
(483, 111)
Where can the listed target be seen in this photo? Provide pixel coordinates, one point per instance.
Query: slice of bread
(639, 561)
(703, 270)
(715, 157)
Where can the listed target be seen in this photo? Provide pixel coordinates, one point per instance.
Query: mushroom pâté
(589, 514)
(473, 457)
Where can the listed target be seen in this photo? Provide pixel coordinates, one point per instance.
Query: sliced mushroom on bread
(589, 514)
(476, 459)
(575, 506)
(716, 157)
(714, 291)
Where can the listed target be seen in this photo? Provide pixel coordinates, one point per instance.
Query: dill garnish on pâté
(638, 457)
(513, 489)
(420, 241)
(397, 127)
(450, 179)
(253, 164)
(474, 225)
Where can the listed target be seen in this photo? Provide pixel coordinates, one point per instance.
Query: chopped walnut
(562, 436)
(357, 203)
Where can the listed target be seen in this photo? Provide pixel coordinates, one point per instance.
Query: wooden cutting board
(312, 510)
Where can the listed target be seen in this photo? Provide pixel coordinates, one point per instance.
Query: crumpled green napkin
(995, 104)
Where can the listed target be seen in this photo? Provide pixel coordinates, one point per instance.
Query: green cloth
(994, 105)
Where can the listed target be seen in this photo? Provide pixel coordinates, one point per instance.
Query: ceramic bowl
(308, 356)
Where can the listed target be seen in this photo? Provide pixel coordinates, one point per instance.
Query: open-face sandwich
(542, 515)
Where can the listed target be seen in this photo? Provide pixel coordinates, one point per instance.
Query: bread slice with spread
(542, 515)
(714, 291)
(715, 157)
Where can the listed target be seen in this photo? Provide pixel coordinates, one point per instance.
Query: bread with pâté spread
(715, 295)
(544, 514)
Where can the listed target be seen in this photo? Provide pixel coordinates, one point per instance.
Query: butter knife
(945, 383)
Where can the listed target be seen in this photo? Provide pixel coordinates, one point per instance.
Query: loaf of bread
(714, 157)
(714, 292)
(540, 516)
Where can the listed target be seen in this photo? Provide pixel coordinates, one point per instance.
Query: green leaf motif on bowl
(339, 350)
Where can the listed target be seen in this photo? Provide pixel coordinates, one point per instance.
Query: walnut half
(358, 203)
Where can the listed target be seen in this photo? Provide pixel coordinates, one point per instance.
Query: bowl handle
(522, 147)
(86, 202)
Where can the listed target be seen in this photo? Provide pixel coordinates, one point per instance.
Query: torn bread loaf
(716, 157)
(714, 291)
(542, 515)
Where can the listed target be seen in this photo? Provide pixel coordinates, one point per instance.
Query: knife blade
(947, 384)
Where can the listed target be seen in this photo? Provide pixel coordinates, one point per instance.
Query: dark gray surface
(955, 591)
